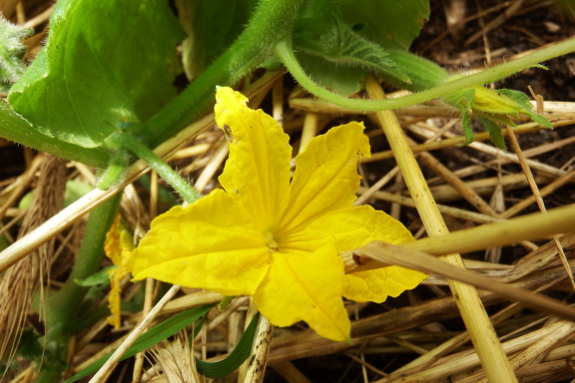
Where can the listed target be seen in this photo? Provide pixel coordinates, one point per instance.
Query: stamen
(270, 241)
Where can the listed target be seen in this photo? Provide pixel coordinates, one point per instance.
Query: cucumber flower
(275, 236)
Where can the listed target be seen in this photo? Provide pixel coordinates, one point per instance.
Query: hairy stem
(62, 306)
(285, 52)
(271, 22)
(124, 141)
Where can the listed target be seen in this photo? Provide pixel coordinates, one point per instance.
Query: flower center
(270, 241)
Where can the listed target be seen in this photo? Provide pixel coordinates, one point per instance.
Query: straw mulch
(419, 336)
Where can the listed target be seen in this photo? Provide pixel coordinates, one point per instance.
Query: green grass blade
(160, 332)
(239, 355)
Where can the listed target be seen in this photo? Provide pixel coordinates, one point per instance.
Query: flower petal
(306, 286)
(326, 175)
(116, 275)
(210, 244)
(357, 226)
(118, 245)
(376, 285)
(257, 172)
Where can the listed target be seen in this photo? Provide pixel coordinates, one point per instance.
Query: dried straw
(24, 277)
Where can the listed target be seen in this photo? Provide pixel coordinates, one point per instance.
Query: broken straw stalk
(472, 311)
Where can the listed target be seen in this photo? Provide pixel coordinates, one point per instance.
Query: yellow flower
(118, 248)
(275, 239)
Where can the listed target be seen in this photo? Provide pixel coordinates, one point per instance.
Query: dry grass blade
(148, 303)
(561, 181)
(21, 184)
(472, 311)
(260, 349)
(539, 199)
(176, 360)
(417, 260)
(102, 374)
(433, 356)
(7, 7)
(532, 226)
(468, 359)
(455, 182)
(535, 352)
(509, 12)
(290, 373)
(444, 209)
(20, 281)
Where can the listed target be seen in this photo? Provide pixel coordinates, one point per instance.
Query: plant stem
(271, 22)
(116, 169)
(286, 55)
(124, 141)
(62, 306)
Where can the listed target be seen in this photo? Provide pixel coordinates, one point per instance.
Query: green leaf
(490, 108)
(29, 346)
(26, 201)
(11, 52)
(337, 42)
(14, 128)
(523, 100)
(106, 64)
(100, 278)
(462, 100)
(212, 26)
(74, 190)
(540, 119)
(4, 243)
(341, 79)
(333, 52)
(162, 331)
(388, 23)
(494, 131)
(233, 361)
(32, 348)
(422, 73)
(466, 125)
(340, 44)
(272, 63)
(225, 302)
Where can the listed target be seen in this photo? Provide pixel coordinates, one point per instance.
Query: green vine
(121, 140)
(62, 307)
(272, 21)
(285, 53)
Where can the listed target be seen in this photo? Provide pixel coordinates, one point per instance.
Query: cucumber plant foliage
(99, 75)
